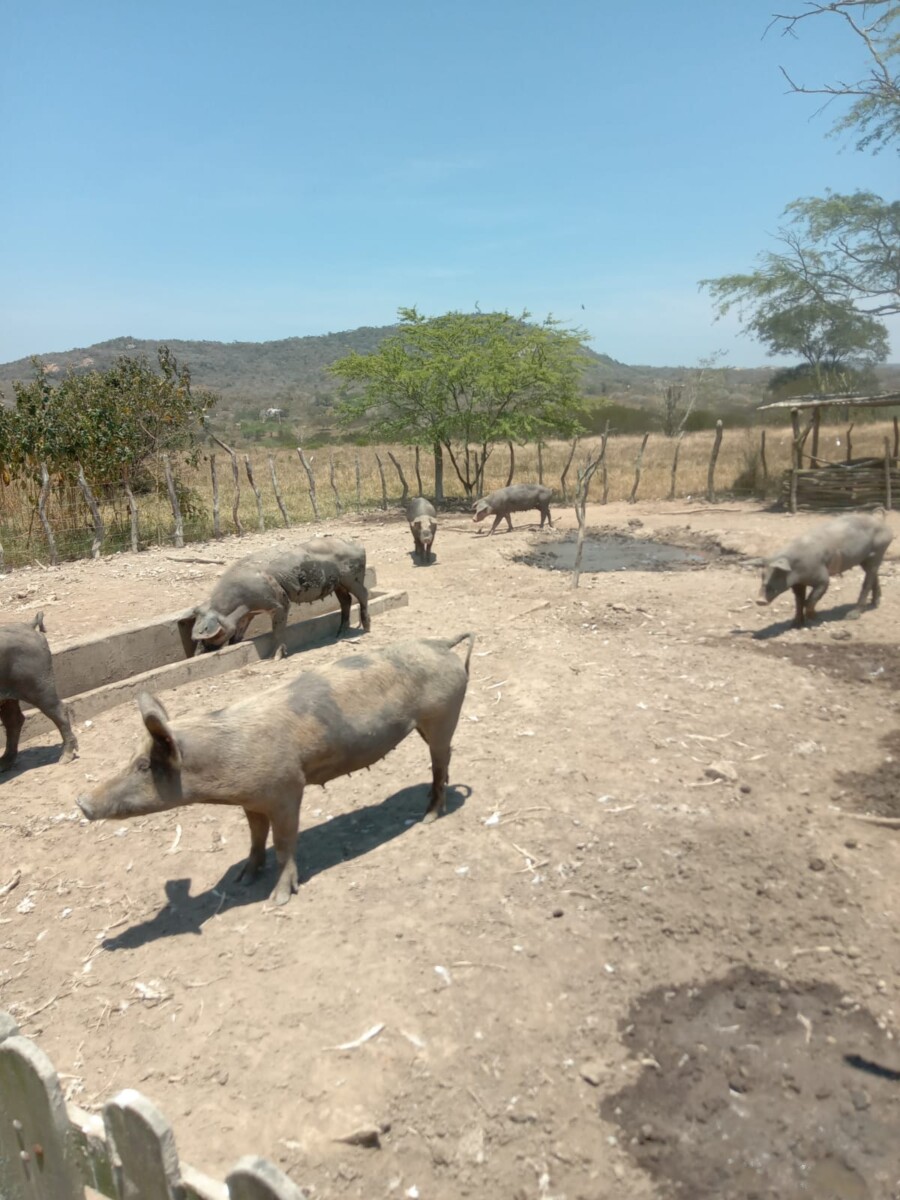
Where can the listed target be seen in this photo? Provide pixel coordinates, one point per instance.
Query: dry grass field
(739, 472)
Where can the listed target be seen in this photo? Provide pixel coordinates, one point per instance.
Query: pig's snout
(84, 803)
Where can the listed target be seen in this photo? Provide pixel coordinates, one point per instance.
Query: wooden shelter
(854, 483)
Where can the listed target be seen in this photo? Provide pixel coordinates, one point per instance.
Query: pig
(423, 526)
(261, 752)
(519, 497)
(269, 580)
(26, 673)
(855, 540)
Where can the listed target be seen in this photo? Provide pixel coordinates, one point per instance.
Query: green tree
(837, 252)
(462, 382)
(874, 113)
(110, 422)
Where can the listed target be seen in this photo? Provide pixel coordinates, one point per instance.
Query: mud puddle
(756, 1088)
(614, 552)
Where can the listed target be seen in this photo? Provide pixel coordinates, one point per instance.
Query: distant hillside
(292, 373)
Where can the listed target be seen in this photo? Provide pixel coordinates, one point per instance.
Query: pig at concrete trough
(519, 497)
(423, 526)
(269, 580)
(26, 673)
(261, 752)
(855, 540)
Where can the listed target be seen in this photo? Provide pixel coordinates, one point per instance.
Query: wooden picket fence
(53, 1151)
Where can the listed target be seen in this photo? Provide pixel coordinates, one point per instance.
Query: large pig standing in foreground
(264, 750)
(856, 540)
(423, 526)
(269, 580)
(519, 497)
(26, 673)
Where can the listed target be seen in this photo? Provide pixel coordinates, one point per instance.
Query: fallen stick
(872, 819)
(535, 608)
(213, 562)
(361, 1040)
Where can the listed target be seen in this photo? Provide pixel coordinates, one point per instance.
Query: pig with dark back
(809, 561)
(270, 580)
(518, 497)
(423, 526)
(261, 752)
(26, 673)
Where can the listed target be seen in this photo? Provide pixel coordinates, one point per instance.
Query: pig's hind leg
(285, 824)
(438, 732)
(11, 716)
(259, 832)
(871, 584)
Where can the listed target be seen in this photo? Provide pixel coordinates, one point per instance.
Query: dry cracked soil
(651, 950)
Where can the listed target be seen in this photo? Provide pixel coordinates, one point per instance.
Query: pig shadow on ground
(345, 837)
(823, 617)
(31, 757)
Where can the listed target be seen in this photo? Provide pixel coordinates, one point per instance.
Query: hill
(292, 374)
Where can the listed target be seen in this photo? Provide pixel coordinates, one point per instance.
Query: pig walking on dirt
(269, 580)
(423, 526)
(261, 752)
(855, 540)
(26, 673)
(519, 497)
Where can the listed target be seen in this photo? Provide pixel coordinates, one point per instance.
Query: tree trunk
(512, 464)
(418, 472)
(565, 471)
(133, 514)
(403, 482)
(217, 528)
(675, 465)
(637, 470)
(438, 450)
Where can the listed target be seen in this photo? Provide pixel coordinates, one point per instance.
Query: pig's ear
(781, 563)
(157, 722)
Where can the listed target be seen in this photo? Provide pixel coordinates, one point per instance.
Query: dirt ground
(649, 951)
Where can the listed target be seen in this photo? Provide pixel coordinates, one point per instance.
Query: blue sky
(236, 171)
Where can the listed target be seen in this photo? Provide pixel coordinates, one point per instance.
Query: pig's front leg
(259, 832)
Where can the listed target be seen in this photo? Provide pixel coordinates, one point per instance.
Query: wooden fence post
(42, 514)
(896, 437)
(418, 473)
(338, 507)
(711, 473)
(762, 457)
(850, 440)
(540, 461)
(604, 473)
(675, 464)
(584, 476)
(795, 459)
(383, 484)
(887, 475)
(358, 486)
(565, 471)
(403, 482)
(133, 513)
(99, 527)
(173, 500)
(146, 1162)
(637, 469)
(236, 476)
(312, 483)
(256, 493)
(217, 529)
(277, 491)
(817, 421)
(512, 463)
(36, 1155)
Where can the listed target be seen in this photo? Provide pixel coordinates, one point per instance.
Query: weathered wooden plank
(258, 1179)
(36, 1156)
(145, 1161)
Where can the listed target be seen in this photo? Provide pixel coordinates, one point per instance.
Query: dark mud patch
(850, 662)
(875, 792)
(614, 552)
(755, 1088)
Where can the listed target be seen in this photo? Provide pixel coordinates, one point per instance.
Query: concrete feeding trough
(101, 672)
